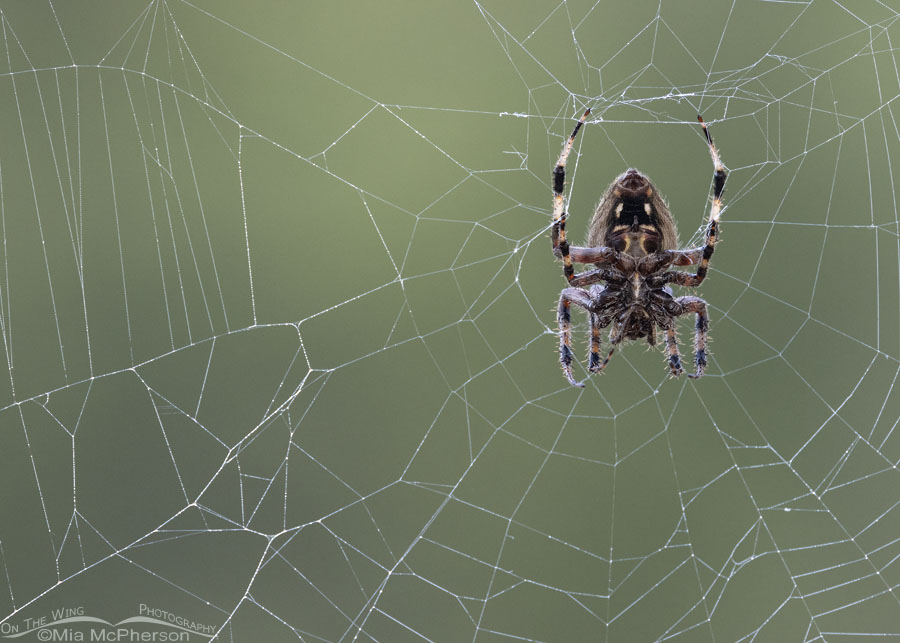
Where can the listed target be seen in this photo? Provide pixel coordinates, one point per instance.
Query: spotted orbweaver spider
(632, 242)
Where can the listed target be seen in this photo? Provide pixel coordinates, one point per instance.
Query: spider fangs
(632, 243)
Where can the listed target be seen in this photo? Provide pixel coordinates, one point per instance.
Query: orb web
(276, 302)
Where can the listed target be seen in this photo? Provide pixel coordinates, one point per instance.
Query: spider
(632, 242)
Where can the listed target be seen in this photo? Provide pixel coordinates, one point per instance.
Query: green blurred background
(276, 306)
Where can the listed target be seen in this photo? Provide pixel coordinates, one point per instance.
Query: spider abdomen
(633, 218)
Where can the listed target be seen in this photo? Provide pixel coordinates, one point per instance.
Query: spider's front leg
(558, 234)
(712, 230)
(561, 248)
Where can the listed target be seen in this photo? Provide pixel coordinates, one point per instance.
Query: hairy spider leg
(712, 230)
(672, 351)
(558, 233)
(594, 353)
(564, 319)
(719, 176)
(696, 305)
(615, 336)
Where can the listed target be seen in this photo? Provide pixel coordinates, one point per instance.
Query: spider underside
(632, 243)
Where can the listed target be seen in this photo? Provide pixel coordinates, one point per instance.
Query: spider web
(276, 304)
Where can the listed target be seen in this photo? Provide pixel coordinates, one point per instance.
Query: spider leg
(615, 336)
(719, 174)
(687, 257)
(672, 351)
(564, 318)
(696, 305)
(594, 354)
(589, 277)
(693, 280)
(579, 254)
(558, 233)
(686, 278)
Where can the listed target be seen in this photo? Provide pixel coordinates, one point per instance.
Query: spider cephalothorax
(632, 242)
